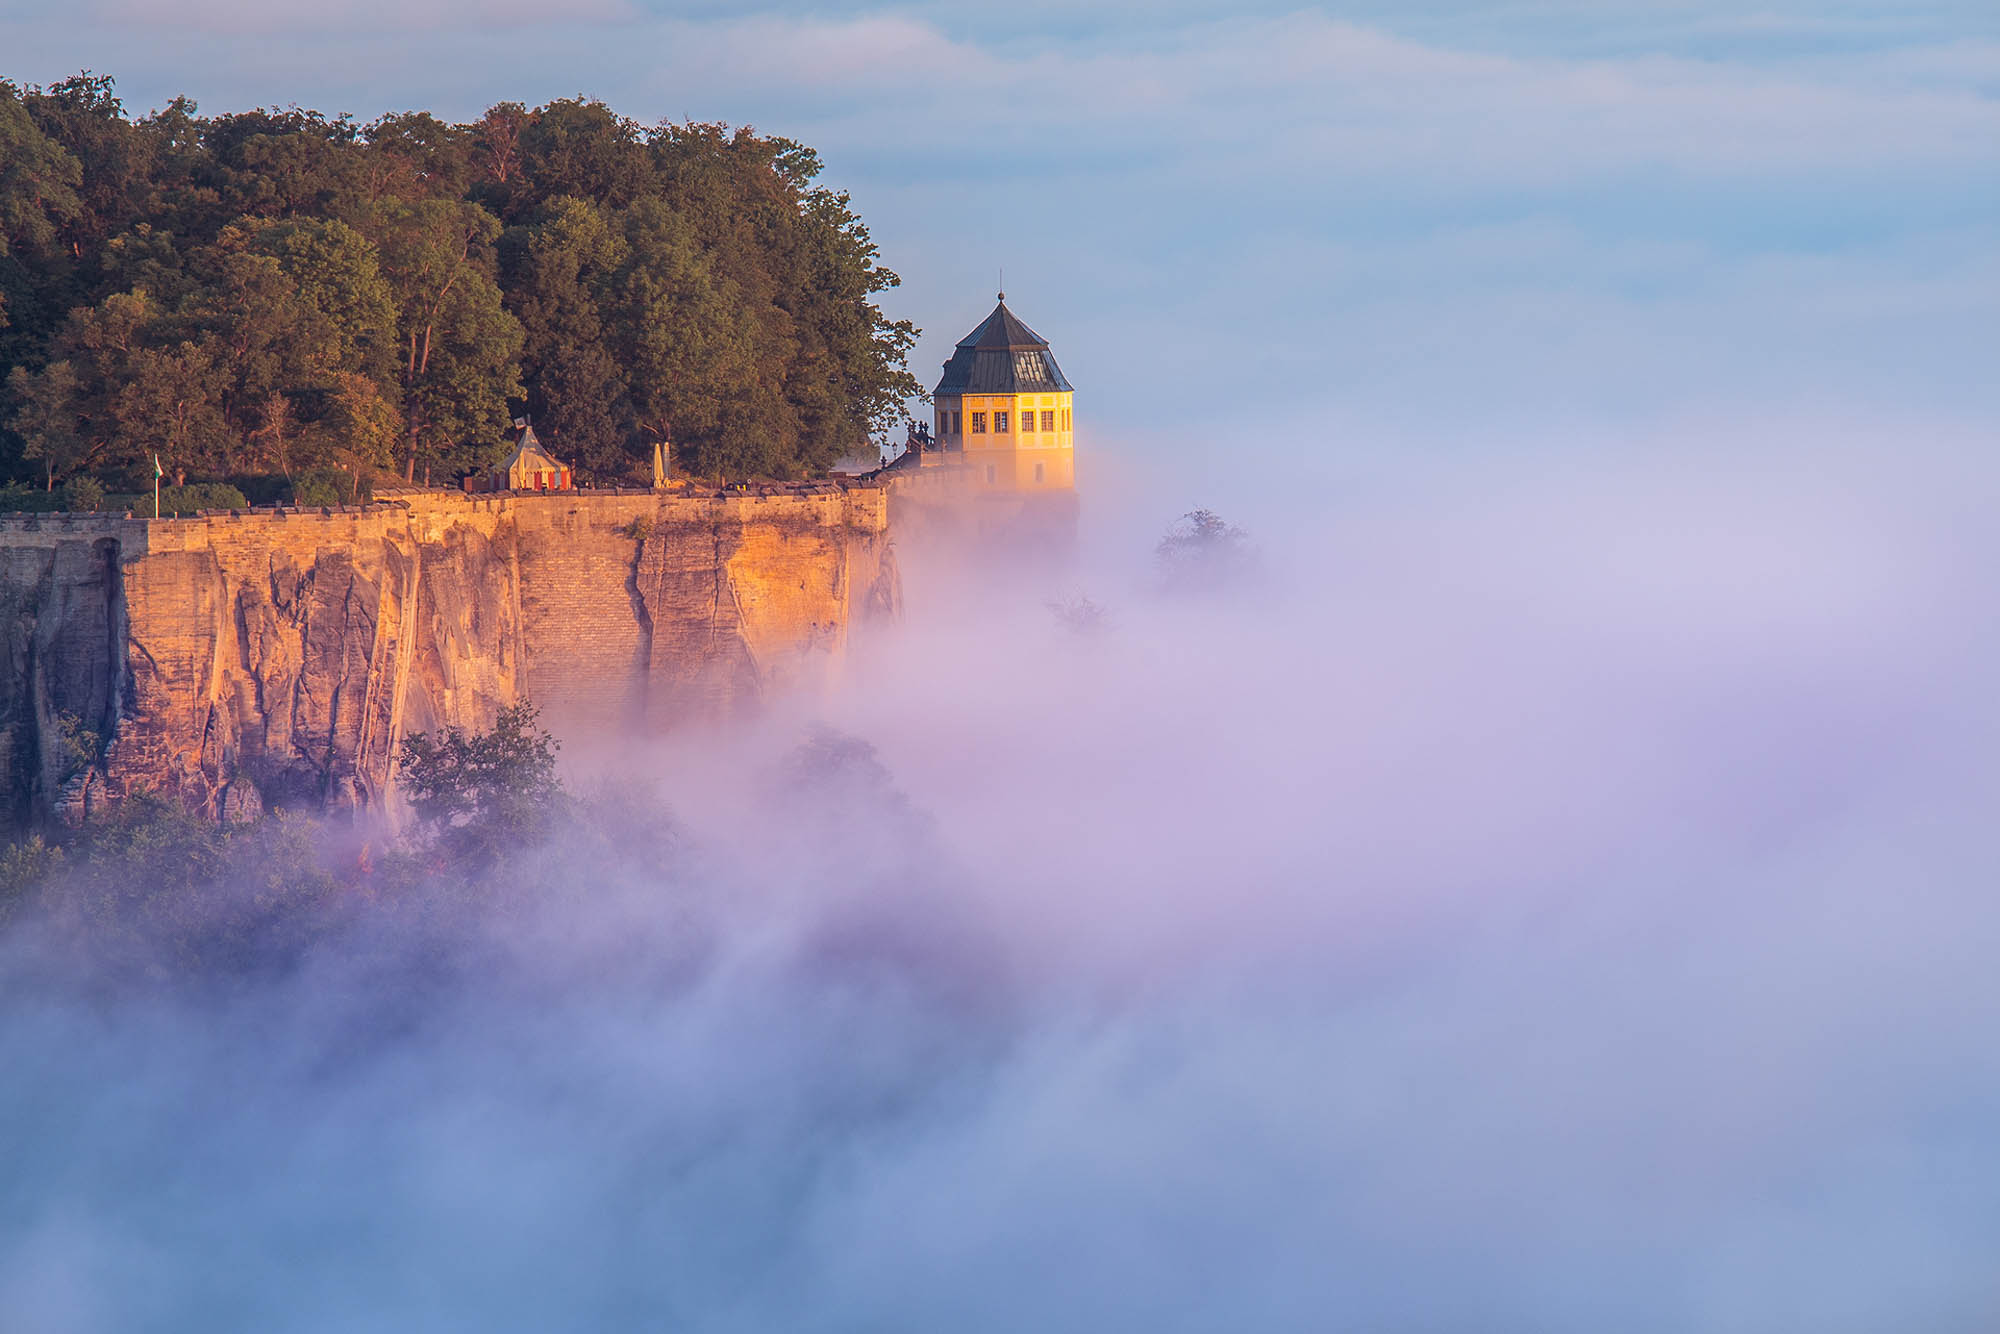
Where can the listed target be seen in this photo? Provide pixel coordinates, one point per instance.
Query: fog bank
(1554, 894)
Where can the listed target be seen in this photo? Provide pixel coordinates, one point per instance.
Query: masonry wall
(234, 661)
(949, 513)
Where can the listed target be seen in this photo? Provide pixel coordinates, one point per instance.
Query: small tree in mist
(1080, 615)
(1202, 553)
(833, 776)
(156, 891)
(477, 796)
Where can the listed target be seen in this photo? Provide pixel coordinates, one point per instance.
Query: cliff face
(238, 661)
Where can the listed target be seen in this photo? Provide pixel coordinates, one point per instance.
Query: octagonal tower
(1004, 407)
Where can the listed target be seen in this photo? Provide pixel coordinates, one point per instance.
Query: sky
(1323, 229)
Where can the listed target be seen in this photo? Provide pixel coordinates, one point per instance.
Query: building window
(1027, 421)
(999, 423)
(1038, 472)
(1049, 420)
(956, 423)
(992, 474)
(979, 423)
(1066, 425)
(1028, 367)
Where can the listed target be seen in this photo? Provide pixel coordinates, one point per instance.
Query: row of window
(948, 423)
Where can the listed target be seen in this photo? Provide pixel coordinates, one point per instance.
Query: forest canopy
(279, 293)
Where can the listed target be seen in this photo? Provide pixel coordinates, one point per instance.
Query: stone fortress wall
(235, 660)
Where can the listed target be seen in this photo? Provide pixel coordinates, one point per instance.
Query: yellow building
(1003, 409)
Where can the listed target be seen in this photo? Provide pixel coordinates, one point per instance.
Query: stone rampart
(239, 659)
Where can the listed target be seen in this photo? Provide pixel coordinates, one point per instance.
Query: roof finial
(1003, 282)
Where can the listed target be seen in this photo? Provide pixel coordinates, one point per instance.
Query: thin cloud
(360, 17)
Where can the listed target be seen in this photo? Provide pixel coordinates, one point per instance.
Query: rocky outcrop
(62, 677)
(278, 658)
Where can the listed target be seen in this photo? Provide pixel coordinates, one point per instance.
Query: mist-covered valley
(1558, 897)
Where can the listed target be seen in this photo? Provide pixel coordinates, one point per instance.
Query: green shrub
(80, 745)
(23, 499)
(83, 494)
(263, 488)
(182, 499)
(329, 486)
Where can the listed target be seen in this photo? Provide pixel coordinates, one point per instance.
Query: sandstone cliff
(235, 661)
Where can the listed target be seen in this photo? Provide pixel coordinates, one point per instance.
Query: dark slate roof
(1002, 356)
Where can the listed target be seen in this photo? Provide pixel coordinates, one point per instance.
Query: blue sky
(1413, 220)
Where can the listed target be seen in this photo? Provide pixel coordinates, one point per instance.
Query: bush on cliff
(189, 499)
(19, 498)
(83, 494)
(156, 890)
(479, 795)
(331, 487)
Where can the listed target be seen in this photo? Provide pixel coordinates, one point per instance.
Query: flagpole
(156, 486)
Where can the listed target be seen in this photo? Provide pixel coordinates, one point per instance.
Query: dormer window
(1028, 367)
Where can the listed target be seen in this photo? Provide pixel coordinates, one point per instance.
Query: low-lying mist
(1559, 900)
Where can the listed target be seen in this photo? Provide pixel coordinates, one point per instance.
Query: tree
(558, 275)
(69, 413)
(702, 372)
(580, 148)
(158, 890)
(169, 406)
(414, 155)
(1080, 615)
(1202, 553)
(355, 433)
(797, 269)
(260, 342)
(115, 157)
(865, 380)
(38, 181)
(38, 198)
(289, 163)
(457, 346)
(496, 149)
(338, 274)
(691, 284)
(477, 796)
(46, 420)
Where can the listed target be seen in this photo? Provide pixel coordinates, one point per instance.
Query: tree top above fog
(278, 290)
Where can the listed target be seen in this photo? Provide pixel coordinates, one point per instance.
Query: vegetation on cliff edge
(284, 293)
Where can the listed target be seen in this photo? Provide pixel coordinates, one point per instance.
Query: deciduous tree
(476, 795)
(558, 272)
